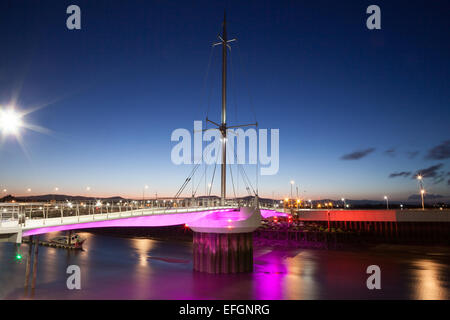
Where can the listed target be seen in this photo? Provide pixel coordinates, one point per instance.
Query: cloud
(430, 172)
(357, 154)
(440, 152)
(429, 196)
(412, 154)
(390, 152)
(400, 174)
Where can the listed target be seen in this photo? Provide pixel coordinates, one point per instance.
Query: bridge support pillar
(223, 252)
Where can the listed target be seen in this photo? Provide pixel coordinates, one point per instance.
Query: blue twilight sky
(113, 92)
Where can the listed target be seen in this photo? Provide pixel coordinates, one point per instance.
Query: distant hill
(55, 197)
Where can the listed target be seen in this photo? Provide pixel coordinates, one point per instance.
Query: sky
(359, 111)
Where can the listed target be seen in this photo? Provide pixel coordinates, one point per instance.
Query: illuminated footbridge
(21, 220)
(225, 229)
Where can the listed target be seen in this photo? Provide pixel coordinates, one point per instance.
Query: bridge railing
(50, 213)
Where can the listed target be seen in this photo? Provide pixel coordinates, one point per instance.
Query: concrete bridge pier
(223, 252)
(223, 241)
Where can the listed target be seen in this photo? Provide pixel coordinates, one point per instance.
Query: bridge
(19, 220)
(222, 235)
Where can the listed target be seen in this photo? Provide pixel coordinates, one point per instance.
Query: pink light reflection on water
(269, 275)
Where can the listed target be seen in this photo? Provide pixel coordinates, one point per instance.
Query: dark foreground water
(124, 268)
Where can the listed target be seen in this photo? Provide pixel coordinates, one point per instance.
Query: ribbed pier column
(223, 252)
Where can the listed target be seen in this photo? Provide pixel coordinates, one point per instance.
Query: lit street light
(422, 191)
(143, 194)
(343, 200)
(387, 202)
(292, 183)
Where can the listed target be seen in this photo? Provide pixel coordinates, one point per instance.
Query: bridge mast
(223, 126)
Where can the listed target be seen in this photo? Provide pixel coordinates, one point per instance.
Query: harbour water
(138, 268)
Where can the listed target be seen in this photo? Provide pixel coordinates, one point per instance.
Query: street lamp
(292, 183)
(422, 191)
(56, 190)
(343, 200)
(143, 194)
(310, 202)
(387, 202)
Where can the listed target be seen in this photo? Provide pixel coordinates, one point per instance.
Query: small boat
(74, 241)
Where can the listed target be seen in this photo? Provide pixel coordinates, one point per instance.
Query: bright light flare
(10, 122)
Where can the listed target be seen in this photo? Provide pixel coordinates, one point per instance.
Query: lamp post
(143, 195)
(422, 191)
(343, 200)
(56, 190)
(292, 183)
(310, 202)
(89, 200)
(387, 202)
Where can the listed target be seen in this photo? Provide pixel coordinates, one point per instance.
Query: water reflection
(126, 268)
(428, 284)
(301, 282)
(142, 247)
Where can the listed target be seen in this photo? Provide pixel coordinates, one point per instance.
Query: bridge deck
(376, 215)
